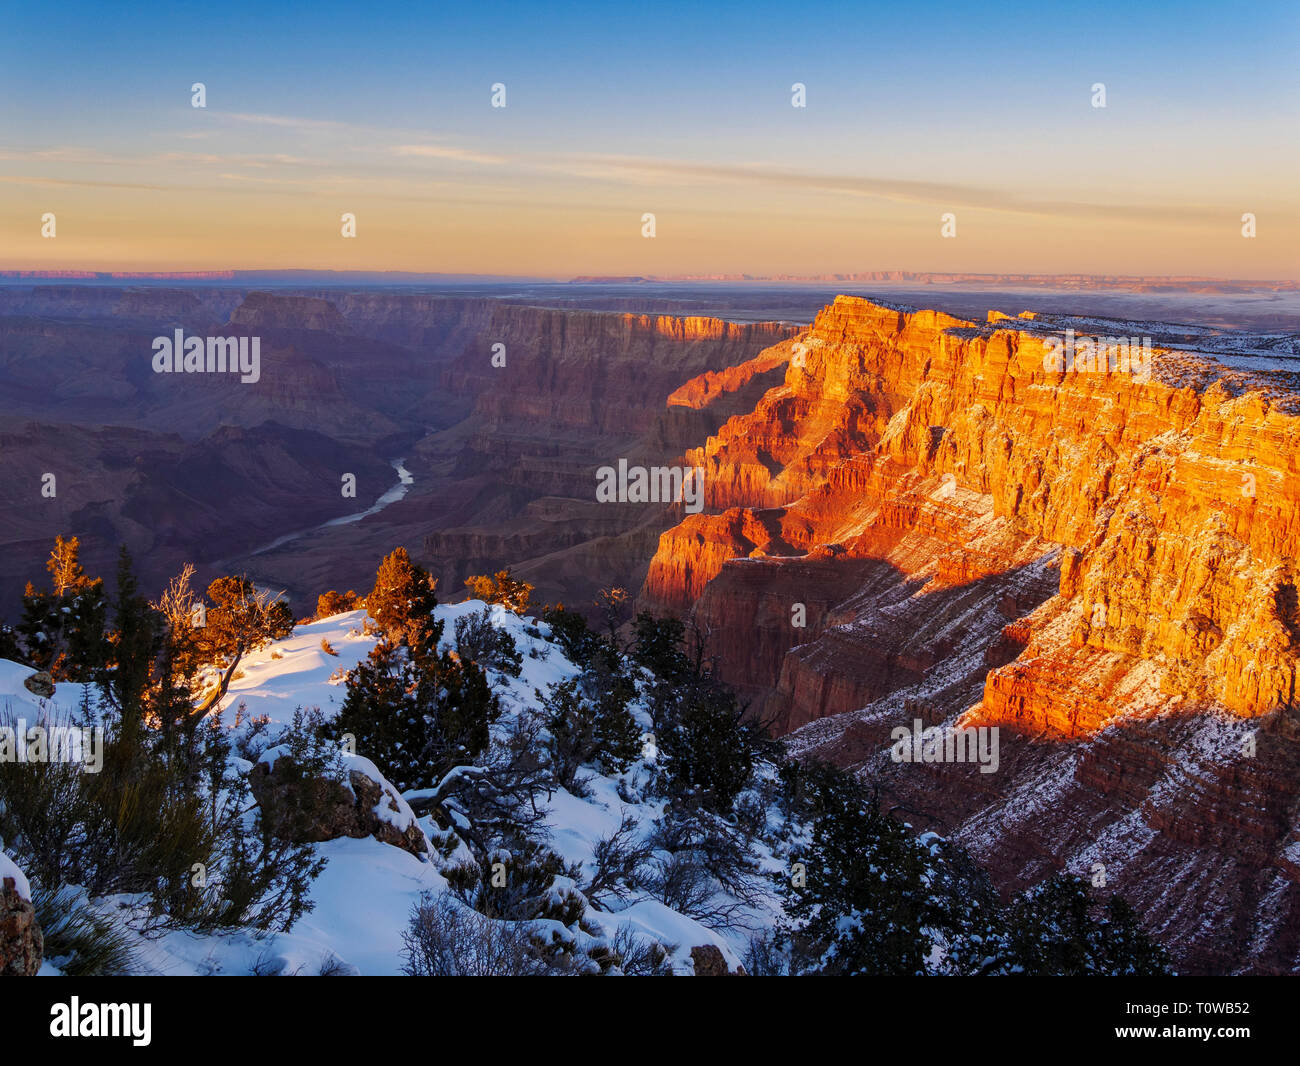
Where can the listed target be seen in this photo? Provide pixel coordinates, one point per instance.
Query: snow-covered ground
(364, 897)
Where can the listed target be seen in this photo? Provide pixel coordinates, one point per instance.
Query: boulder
(21, 944)
(709, 962)
(40, 684)
(313, 809)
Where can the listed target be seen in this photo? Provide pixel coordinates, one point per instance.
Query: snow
(17, 702)
(9, 869)
(364, 898)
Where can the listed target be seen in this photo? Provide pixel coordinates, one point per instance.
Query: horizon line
(9, 274)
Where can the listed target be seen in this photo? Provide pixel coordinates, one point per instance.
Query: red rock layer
(1103, 565)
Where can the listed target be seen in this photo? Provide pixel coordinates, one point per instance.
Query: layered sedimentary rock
(204, 468)
(940, 519)
(568, 393)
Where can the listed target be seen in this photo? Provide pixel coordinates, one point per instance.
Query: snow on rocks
(378, 848)
(21, 942)
(12, 877)
(359, 802)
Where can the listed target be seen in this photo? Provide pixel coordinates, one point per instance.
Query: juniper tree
(62, 631)
(416, 713)
(857, 902)
(1056, 929)
(242, 618)
(500, 588)
(402, 602)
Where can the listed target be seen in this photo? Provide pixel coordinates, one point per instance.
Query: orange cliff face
(1169, 517)
(1102, 565)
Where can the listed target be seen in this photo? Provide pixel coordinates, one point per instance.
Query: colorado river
(404, 482)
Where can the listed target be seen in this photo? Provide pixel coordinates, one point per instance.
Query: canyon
(503, 459)
(1100, 564)
(908, 514)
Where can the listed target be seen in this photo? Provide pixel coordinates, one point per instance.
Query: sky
(680, 110)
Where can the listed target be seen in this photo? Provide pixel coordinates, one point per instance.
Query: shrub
(576, 639)
(703, 866)
(478, 640)
(416, 713)
(640, 955)
(261, 877)
(500, 588)
(589, 722)
(523, 880)
(332, 603)
(135, 826)
(447, 939)
(80, 941)
(618, 865)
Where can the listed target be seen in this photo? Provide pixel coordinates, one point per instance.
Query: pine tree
(134, 644)
(62, 630)
(64, 565)
(402, 603)
(416, 714)
(858, 903)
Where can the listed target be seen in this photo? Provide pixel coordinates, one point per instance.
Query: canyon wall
(927, 519)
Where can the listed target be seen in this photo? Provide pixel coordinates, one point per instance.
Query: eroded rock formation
(1101, 564)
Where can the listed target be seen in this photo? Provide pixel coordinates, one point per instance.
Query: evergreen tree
(572, 633)
(657, 646)
(1124, 949)
(500, 588)
(334, 602)
(133, 645)
(1053, 932)
(570, 720)
(617, 735)
(706, 749)
(62, 631)
(242, 618)
(415, 713)
(402, 603)
(858, 903)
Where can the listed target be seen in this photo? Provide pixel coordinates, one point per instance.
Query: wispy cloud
(286, 121)
(443, 151)
(659, 172)
(61, 183)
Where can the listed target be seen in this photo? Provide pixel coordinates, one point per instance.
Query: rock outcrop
(22, 947)
(40, 684)
(1100, 561)
(309, 809)
(710, 962)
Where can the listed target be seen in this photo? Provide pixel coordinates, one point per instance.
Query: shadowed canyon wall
(1101, 564)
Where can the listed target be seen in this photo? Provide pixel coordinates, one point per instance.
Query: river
(404, 483)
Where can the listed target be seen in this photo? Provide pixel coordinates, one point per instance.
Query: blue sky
(1202, 102)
